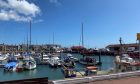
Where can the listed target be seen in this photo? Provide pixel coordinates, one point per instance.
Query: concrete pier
(27, 81)
(97, 78)
(126, 80)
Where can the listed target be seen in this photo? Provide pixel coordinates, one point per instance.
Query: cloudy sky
(105, 21)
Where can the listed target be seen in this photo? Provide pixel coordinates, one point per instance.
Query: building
(46, 48)
(9, 48)
(77, 49)
(24, 48)
(133, 47)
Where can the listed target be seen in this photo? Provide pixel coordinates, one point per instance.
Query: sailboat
(87, 60)
(29, 61)
(71, 57)
(3, 59)
(54, 62)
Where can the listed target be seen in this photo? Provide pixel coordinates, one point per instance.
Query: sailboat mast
(53, 42)
(82, 36)
(53, 38)
(27, 43)
(30, 35)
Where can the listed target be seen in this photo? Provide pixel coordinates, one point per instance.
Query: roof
(77, 47)
(127, 45)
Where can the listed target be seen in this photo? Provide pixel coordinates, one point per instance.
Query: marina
(69, 41)
(46, 71)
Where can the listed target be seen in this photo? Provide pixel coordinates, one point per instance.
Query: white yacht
(18, 55)
(70, 56)
(126, 59)
(45, 58)
(3, 59)
(29, 62)
(54, 62)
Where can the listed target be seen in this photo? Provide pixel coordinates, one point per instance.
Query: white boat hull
(30, 63)
(30, 67)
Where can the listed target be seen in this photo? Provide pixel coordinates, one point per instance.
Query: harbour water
(52, 73)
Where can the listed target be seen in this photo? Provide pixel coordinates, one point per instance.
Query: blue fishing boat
(11, 65)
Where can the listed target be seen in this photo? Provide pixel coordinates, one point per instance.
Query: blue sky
(105, 21)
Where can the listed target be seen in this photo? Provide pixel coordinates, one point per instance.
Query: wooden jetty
(43, 80)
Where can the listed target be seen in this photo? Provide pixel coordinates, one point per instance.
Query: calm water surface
(51, 73)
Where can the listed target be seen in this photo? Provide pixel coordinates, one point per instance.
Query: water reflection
(30, 73)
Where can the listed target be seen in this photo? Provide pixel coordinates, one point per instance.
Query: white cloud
(55, 2)
(18, 10)
(12, 15)
(24, 7)
(38, 21)
(3, 4)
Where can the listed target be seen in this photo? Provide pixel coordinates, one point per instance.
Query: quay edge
(97, 78)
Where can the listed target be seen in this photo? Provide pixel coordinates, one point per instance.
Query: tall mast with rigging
(30, 36)
(27, 42)
(82, 36)
(53, 38)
